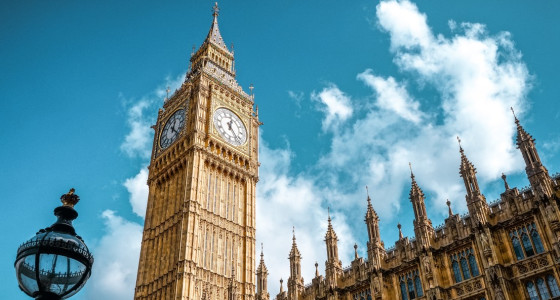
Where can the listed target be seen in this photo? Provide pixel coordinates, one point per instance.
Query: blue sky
(349, 93)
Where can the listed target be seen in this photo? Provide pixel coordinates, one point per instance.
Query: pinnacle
(214, 35)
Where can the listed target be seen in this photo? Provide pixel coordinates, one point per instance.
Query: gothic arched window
(472, 264)
(539, 288)
(536, 240)
(553, 286)
(456, 271)
(517, 248)
(465, 269)
(418, 286)
(411, 293)
(532, 291)
(527, 246)
(403, 291)
(542, 288)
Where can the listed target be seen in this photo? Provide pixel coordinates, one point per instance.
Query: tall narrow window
(465, 269)
(225, 257)
(552, 285)
(411, 293)
(234, 203)
(542, 288)
(418, 286)
(536, 239)
(227, 201)
(532, 291)
(215, 192)
(517, 248)
(212, 252)
(208, 191)
(472, 264)
(527, 245)
(205, 248)
(456, 271)
(403, 291)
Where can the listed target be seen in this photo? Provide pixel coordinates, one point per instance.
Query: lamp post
(55, 263)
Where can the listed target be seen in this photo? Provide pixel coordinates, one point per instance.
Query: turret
(262, 283)
(333, 264)
(422, 225)
(295, 281)
(374, 244)
(476, 203)
(536, 172)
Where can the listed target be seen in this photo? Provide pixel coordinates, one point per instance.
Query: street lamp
(55, 263)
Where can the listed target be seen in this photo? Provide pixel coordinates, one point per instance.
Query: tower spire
(422, 224)
(262, 279)
(536, 171)
(476, 203)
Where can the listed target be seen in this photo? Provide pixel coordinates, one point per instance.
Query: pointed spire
(370, 212)
(330, 231)
(401, 236)
(466, 165)
(214, 35)
(262, 267)
(522, 135)
(415, 191)
(294, 252)
(449, 207)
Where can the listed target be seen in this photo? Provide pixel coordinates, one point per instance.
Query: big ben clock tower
(199, 232)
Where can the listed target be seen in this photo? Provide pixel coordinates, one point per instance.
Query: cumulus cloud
(141, 115)
(138, 190)
(392, 96)
(116, 259)
(477, 76)
(302, 206)
(336, 105)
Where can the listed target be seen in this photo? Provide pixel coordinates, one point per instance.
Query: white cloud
(392, 96)
(408, 27)
(138, 141)
(336, 105)
(116, 260)
(138, 190)
(302, 205)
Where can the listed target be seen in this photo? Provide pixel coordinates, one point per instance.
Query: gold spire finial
(410, 167)
(215, 10)
(329, 213)
(70, 199)
(368, 198)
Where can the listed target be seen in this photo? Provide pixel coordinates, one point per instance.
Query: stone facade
(199, 232)
(506, 250)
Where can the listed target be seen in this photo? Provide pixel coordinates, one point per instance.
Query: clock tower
(199, 231)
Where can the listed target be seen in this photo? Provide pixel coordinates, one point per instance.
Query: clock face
(172, 128)
(230, 126)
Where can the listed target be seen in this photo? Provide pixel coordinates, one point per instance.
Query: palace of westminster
(199, 233)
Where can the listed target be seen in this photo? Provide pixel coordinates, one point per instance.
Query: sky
(349, 92)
